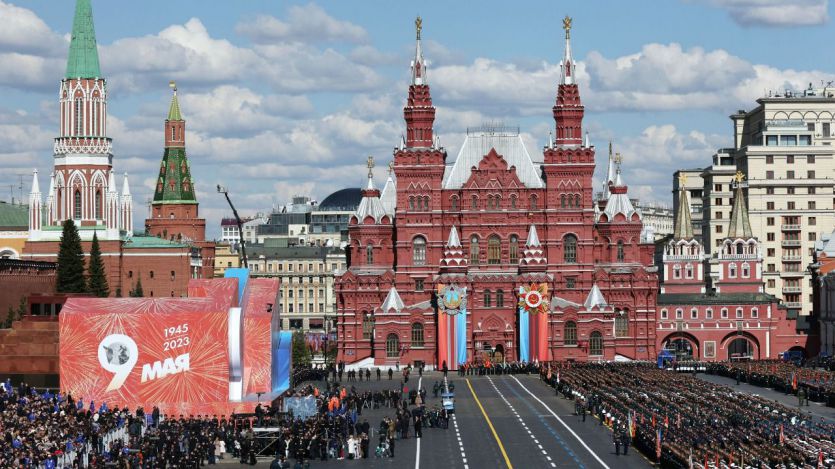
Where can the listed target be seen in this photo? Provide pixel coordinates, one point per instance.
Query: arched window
(488, 298)
(739, 248)
(596, 343)
(453, 202)
(562, 201)
(513, 201)
(173, 133)
(417, 334)
(77, 205)
(474, 250)
(746, 270)
(676, 271)
(474, 202)
(499, 298)
(419, 251)
(79, 118)
(570, 249)
(679, 313)
(621, 254)
(367, 325)
(688, 271)
(494, 250)
(533, 202)
(570, 333)
(577, 200)
(392, 346)
(411, 203)
(369, 254)
(98, 204)
(732, 270)
(426, 203)
(621, 324)
(709, 313)
(514, 249)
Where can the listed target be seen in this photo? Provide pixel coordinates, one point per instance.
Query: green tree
(96, 277)
(137, 290)
(70, 261)
(301, 354)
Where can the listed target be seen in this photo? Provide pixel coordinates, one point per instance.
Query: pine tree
(137, 290)
(301, 354)
(70, 261)
(96, 277)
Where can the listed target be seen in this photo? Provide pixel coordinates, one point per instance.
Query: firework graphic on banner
(534, 298)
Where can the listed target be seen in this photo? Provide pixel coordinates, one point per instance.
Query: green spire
(174, 111)
(683, 222)
(83, 61)
(174, 183)
(740, 225)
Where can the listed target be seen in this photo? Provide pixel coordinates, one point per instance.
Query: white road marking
(417, 451)
(521, 421)
(458, 434)
(562, 422)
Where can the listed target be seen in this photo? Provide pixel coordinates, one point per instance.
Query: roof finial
(610, 148)
(370, 165)
(418, 64)
(567, 64)
(418, 26)
(739, 177)
(566, 25)
(391, 167)
(618, 160)
(173, 85)
(682, 179)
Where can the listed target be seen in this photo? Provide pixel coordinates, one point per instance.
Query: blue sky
(290, 97)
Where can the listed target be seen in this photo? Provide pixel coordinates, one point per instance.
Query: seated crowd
(699, 424)
(816, 383)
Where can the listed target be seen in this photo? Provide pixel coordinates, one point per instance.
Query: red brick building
(715, 307)
(83, 188)
(438, 256)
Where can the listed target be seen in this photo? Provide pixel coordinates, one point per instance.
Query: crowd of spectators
(692, 422)
(818, 384)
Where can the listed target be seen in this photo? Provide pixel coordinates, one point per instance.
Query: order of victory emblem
(452, 299)
(533, 298)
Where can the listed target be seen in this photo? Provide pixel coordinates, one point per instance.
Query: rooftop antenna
(11, 193)
(20, 186)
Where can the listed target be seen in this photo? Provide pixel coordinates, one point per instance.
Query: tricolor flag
(820, 459)
(794, 381)
(782, 435)
(658, 444)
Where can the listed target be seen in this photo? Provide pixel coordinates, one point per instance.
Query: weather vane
(370, 166)
(566, 25)
(418, 26)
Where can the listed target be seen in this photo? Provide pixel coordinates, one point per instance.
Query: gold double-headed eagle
(418, 26)
(566, 25)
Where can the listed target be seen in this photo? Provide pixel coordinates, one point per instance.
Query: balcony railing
(791, 258)
(791, 227)
(788, 273)
(792, 289)
(790, 242)
(793, 304)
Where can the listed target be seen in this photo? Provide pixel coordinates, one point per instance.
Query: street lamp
(225, 192)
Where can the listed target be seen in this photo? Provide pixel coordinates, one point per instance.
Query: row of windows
(151, 274)
(769, 159)
(494, 202)
(694, 313)
(494, 250)
(279, 267)
(299, 308)
(309, 293)
(790, 190)
(810, 205)
(790, 174)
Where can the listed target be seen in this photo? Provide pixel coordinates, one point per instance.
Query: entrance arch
(498, 353)
(741, 345)
(684, 345)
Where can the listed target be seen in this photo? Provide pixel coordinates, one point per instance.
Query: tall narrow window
(596, 344)
(369, 254)
(419, 251)
(417, 334)
(577, 200)
(533, 202)
(488, 298)
(562, 201)
(392, 346)
(98, 204)
(454, 203)
(513, 201)
(494, 250)
(474, 202)
(620, 251)
(621, 324)
(514, 249)
(570, 249)
(77, 205)
(570, 333)
(367, 326)
(499, 298)
(79, 117)
(474, 250)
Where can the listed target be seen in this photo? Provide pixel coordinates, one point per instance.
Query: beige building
(657, 219)
(784, 147)
(717, 199)
(694, 185)
(225, 258)
(307, 300)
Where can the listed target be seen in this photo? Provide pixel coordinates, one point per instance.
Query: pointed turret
(83, 61)
(568, 110)
(533, 255)
(127, 207)
(619, 203)
(371, 205)
(393, 302)
(454, 257)
(610, 173)
(112, 204)
(174, 184)
(740, 225)
(389, 195)
(419, 112)
(125, 187)
(595, 299)
(50, 201)
(35, 204)
(683, 228)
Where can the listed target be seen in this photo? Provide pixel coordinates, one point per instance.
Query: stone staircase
(29, 347)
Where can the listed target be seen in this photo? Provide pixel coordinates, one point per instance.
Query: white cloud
(775, 12)
(24, 32)
(308, 23)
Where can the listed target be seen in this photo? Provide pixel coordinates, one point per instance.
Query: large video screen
(172, 353)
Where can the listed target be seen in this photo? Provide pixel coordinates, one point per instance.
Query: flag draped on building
(452, 324)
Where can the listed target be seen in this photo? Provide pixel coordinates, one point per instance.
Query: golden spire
(618, 159)
(739, 177)
(682, 179)
(370, 165)
(418, 26)
(566, 25)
